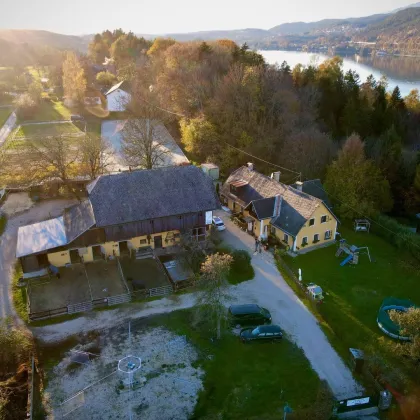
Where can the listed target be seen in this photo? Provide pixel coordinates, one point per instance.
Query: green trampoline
(384, 321)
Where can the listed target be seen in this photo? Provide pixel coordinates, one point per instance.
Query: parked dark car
(249, 314)
(267, 333)
(76, 117)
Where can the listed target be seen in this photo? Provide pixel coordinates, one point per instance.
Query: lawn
(46, 130)
(51, 111)
(4, 115)
(251, 381)
(353, 294)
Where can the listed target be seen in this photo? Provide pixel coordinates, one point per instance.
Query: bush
(241, 269)
(397, 234)
(3, 222)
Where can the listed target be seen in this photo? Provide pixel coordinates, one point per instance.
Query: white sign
(209, 217)
(351, 403)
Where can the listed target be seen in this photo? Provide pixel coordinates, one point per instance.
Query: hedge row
(397, 234)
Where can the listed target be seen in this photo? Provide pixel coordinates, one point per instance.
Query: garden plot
(165, 387)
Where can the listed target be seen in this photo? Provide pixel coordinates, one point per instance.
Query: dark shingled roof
(259, 186)
(315, 188)
(296, 206)
(290, 220)
(150, 194)
(264, 208)
(78, 219)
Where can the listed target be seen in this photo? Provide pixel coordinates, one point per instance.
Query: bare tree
(96, 155)
(214, 287)
(145, 142)
(52, 158)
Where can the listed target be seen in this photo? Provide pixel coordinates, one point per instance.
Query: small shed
(361, 225)
(177, 272)
(211, 170)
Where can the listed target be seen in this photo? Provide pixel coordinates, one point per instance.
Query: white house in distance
(118, 96)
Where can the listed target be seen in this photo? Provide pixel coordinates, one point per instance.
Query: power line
(265, 161)
(298, 178)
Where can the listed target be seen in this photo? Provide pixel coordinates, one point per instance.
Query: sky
(79, 17)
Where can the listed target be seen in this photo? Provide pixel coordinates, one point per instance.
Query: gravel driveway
(268, 289)
(41, 211)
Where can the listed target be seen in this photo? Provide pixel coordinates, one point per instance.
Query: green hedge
(241, 268)
(397, 234)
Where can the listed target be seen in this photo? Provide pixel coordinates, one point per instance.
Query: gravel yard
(166, 386)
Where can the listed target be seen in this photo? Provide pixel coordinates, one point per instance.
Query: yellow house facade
(300, 221)
(123, 214)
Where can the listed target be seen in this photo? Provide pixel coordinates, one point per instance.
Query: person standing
(256, 244)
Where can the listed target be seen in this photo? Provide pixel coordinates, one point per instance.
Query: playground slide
(346, 260)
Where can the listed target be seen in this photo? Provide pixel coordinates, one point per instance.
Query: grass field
(353, 294)
(46, 130)
(4, 115)
(252, 381)
(51, 111)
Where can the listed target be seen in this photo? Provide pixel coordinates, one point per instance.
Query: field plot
(104, 279)
(53, 129)
(52, 293)
(165, 387)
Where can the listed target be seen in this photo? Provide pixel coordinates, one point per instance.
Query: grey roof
(289, 220)
(78, 219)
(314, 187)
(258, 186)
(124, 85)
(296, 206)
(264, 208)
(150, 194)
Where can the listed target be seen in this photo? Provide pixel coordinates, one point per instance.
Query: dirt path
(268, 289)
(36, 213)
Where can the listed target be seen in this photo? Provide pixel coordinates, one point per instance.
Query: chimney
(250, 166)
(277, 206)
(299, 185)
(276, 176)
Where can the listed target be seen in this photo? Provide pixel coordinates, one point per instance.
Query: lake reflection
(401, 71)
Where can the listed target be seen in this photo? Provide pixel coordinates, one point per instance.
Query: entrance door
(158, 241)
(74, 256)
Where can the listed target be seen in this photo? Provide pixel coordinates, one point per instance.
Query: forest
(353, 134)
(226, 103)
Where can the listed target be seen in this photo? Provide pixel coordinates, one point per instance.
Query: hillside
(402, 29)
(44, 38)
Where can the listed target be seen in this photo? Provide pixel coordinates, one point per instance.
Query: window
(143, 241)
(323, 219)
(286, 238)
(311, 222)
(273, 230)
(232, 189)
(316, 237)
(328, 234)
(305, 240)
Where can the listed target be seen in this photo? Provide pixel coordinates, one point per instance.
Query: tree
(54, 158)
(159, 46)
(412, 101)
(409, 323)
(200, 138)
(356, 183)
(26, 106)
(143, 144)
(214, 294)
(105, 78)
(74, 81)
(35, 90)
(96, 155)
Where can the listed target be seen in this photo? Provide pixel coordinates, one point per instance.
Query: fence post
(122, 275)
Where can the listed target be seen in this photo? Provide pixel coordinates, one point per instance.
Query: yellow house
(299, 220)
(123, 214)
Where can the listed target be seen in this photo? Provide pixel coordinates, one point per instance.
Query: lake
(401, 71)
